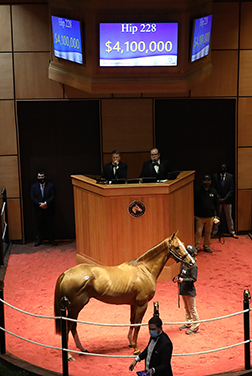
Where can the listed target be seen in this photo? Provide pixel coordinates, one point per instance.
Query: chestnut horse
(133, 283)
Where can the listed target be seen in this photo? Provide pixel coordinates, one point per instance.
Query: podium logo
(136, 209)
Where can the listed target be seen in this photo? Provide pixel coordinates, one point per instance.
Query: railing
(4, 229)
(64, 349)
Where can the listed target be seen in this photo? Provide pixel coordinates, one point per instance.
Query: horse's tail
(57, 299)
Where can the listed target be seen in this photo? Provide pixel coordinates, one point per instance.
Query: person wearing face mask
(206, 208)
(43, 197)
(223, 182)
(158, 353)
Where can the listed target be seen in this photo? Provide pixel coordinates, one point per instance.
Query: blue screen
(201, 37)
(138, 44)
(67, 41)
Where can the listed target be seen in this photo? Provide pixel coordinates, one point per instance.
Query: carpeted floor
(223, 275)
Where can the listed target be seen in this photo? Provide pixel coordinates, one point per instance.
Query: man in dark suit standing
(158, 353)
(43, 196)
(155, 167)
(115, 169)
(223, 182)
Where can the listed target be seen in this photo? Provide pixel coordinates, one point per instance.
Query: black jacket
(206, 202)
(161, 356)
(148, 170)
(108, 173)
(225, 190)
(49, 197)
(189, 276)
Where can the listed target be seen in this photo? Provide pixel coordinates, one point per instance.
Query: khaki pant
(191, 312)
(200, 223)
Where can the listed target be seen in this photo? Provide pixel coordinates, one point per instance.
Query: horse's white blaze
(86, 277)
(182, 245)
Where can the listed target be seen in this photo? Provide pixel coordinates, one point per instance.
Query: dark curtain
(63, 139)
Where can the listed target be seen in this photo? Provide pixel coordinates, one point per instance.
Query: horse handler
(187, 290)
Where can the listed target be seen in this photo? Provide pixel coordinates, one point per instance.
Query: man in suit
(223, 182)
(158, 352)
(115, 169)
(43, 196)
(155, 167)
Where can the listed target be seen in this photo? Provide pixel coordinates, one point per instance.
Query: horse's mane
(148, 254)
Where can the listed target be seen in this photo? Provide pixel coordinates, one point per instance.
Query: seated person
(115, 169)
(155, 167)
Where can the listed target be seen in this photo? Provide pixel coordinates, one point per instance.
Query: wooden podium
(119, 222)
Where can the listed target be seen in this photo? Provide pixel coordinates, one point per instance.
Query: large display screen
(138, 44)
(67, 41)
(201, 37)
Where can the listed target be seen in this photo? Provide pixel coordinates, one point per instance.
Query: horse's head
(178, 251)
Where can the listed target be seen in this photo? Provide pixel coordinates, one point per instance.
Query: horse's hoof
(71, 359)
(85, 351)
(130, 345)
(137, 352)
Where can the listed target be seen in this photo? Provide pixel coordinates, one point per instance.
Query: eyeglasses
(154, 155)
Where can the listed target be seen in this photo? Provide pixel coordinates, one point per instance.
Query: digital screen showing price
(138, 44)
(67, 40)
(201, 37)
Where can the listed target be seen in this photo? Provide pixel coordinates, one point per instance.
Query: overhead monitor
(201, 37)
(67, 39)
(138, 44)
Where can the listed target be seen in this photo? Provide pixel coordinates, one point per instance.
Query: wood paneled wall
(126, 120)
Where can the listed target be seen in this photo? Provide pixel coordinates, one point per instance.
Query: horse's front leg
(140, 311)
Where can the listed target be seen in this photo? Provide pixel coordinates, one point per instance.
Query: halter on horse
(133, 283)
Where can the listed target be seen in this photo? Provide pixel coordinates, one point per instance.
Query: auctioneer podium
(119, 222)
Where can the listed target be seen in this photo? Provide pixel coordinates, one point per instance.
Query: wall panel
(9, 175)
(31, 77)
(127, 125)
(8, 139)
(5, 29)
(223, 79)
(246, 26)
(225, 28)
(245, 210)
(14, 216)
(245, 73)
(244, 168)
(6, 82)
(245, 121)
(31, 28)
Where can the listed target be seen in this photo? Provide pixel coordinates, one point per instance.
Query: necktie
(42, 190)
(222, 180)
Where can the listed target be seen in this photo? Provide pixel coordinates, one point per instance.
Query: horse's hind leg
(140, 311)
(132, 320)
(76, 337)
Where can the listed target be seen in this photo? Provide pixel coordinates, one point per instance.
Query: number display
(143, 44)
(67, 39)
(201, 37)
